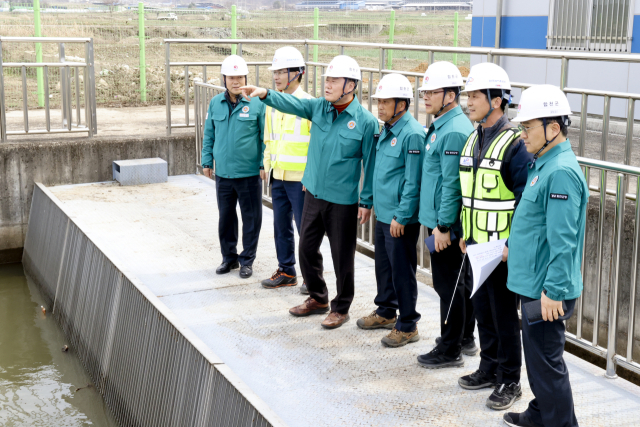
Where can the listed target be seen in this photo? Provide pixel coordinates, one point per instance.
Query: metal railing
(622, 250)
(489, 53)
(587, 313)
(69, 85)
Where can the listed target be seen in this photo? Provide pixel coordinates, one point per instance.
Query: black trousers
(543, 342)
(396, 262)
(496, 310)
(340, 224)
(247, 192)
(445, 268)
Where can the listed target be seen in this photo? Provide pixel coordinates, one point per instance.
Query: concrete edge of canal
(159, 374)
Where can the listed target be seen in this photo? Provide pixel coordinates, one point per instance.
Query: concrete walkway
(165, 235)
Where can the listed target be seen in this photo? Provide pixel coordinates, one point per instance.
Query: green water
(38, 381)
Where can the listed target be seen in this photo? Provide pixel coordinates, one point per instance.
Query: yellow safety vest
(487, 203)
(287, 137)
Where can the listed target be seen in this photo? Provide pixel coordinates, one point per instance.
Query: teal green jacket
(337, 148)
(234, 140)
(398, 171)
(440, 193)
(547, 233)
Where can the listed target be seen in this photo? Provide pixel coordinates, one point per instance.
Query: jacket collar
(554, 152)
(397, 126)
(351, 109)
(454, 112)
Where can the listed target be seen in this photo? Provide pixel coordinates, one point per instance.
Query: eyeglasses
(280, 73)
(526, 130)
(429, 93)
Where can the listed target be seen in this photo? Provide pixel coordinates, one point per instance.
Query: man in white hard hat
(233, 139)
(396, 195)
(493, 173)
(286, 139)
(440, 203)
(545, 254)
(342, 147)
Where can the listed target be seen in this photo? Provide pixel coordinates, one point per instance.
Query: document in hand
(484, 258)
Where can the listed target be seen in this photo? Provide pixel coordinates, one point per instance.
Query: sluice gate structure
(150, 368)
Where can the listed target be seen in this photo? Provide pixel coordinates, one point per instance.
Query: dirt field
(117, 59)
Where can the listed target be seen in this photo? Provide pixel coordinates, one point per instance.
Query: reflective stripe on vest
(289, 140)
(487, 203)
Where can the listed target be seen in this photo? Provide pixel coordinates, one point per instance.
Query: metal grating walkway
(165, 236)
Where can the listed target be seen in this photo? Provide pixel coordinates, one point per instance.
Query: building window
(590, 25)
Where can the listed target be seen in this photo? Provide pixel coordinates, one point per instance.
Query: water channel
(40, 385)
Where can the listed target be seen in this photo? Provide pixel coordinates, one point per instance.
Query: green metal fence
(129, 50)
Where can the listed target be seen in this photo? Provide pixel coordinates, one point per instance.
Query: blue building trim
(635, 40)
(518, 32)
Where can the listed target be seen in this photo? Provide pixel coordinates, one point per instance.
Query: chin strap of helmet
(445, 106)
(289, 79)
(505, 95)
(566, 121)
(395, 107)
(343, 88)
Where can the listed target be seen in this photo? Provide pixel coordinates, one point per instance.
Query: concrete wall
(64, 161)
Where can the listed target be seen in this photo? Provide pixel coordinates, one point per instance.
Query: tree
(192, 5)
(277, 4)
(111, 4)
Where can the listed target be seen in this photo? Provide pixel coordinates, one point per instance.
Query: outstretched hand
(250, 91)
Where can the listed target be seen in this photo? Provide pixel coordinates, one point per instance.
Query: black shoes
(246, 271)
(435, 360)
(279, 280)
(514, 419)
(503, 396)
(226, 267)
(477, 380)
(469, 347)
(303, 289)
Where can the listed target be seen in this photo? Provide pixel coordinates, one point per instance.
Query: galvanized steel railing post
(498, 23)
(63, 85)
(370, 100)
(186, 94)
(92, 88)
(306, 68)
(167, 74)
(605, 128)
(583, 125)
(599, 244)
(631, 104)
(580, 302)
(634, 277)
(615, 279)
(47, 111)
(564, 72)
(25, 107)
(3, 119)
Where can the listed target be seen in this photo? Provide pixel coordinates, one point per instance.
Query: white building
(603, 26)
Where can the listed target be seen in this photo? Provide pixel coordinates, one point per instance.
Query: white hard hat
(440, 75)
(287, 57)
(234, 65)
(343, 66)
(394, 86)
(487, 75)
(542, 101)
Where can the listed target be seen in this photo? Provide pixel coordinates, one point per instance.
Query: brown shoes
(335, 320)
(373, 321)
(398, 339)
(309, 307)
